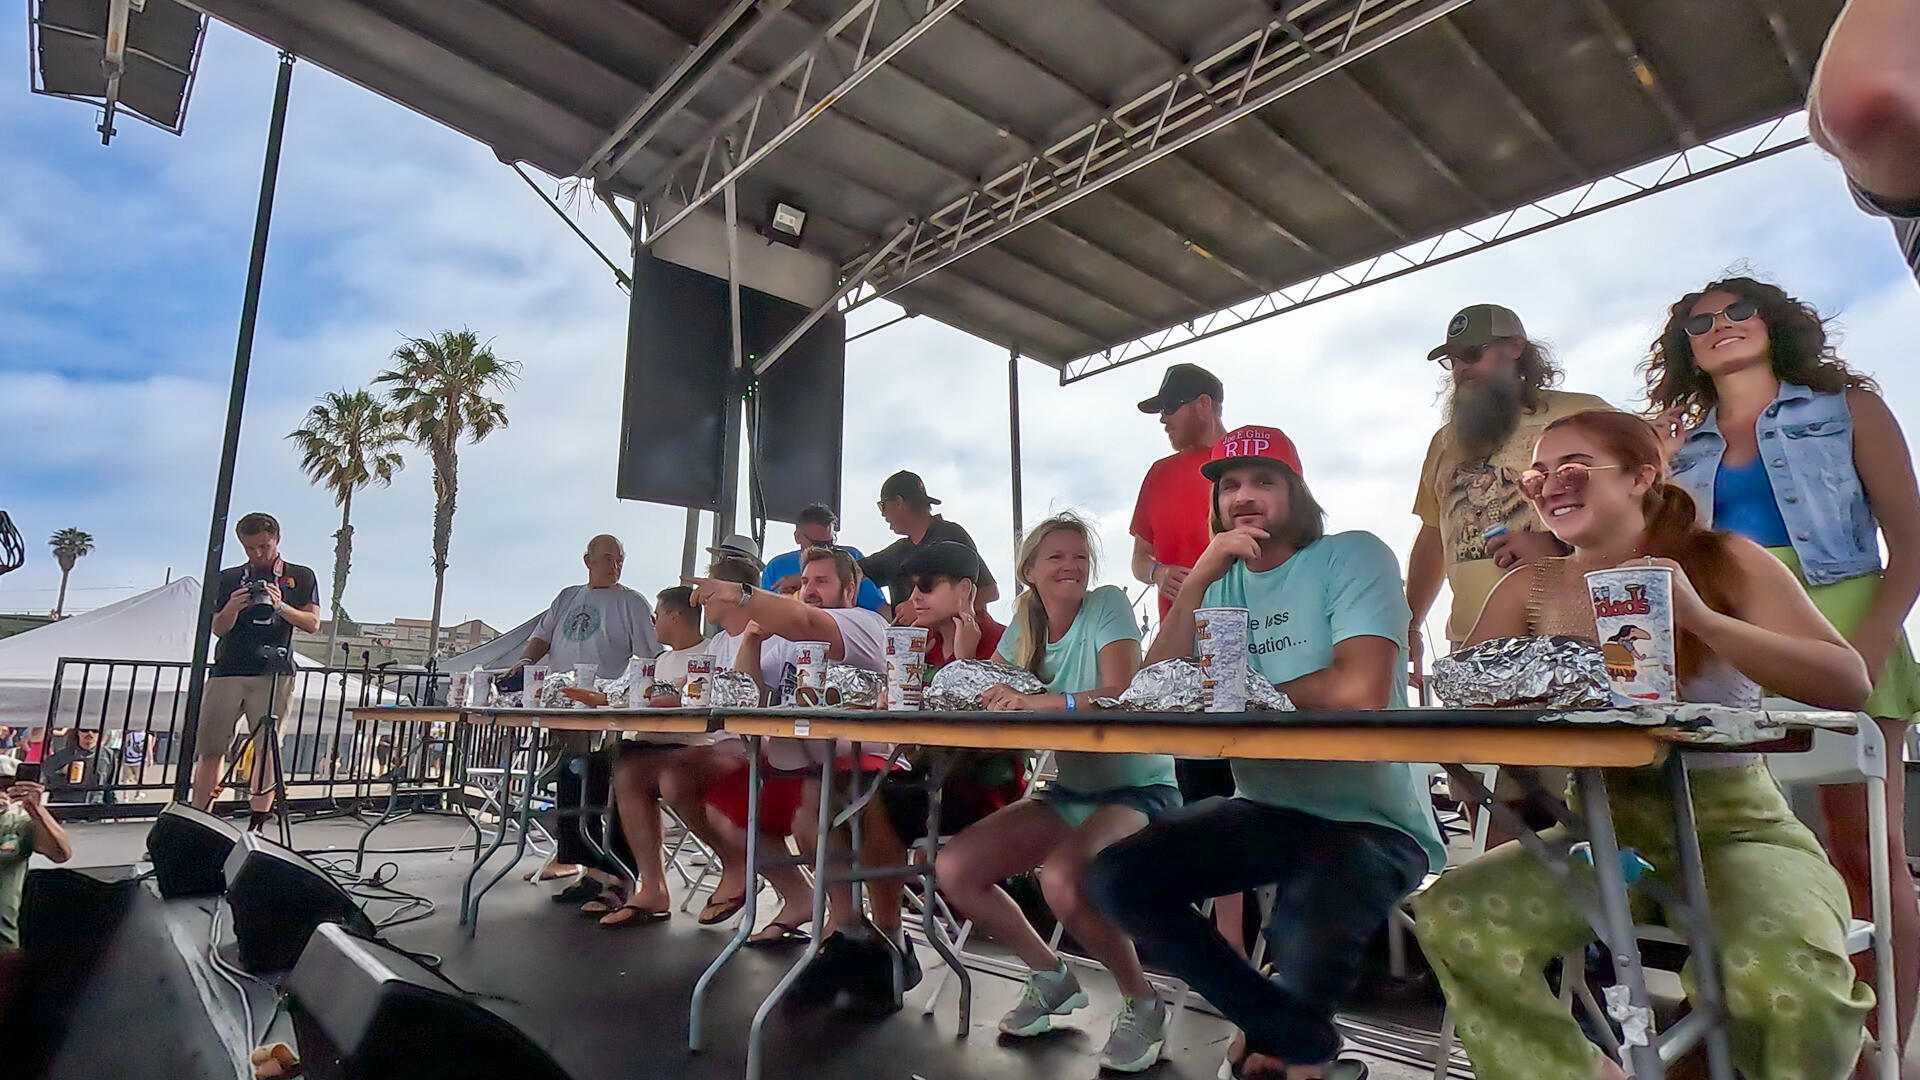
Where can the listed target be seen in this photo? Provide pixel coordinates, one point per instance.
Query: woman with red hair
(1779, 909)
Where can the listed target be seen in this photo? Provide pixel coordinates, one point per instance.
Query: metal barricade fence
(109, 743)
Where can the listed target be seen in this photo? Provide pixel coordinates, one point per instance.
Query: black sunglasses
(1170, 409)
(1467, 358)
(1702, 325)
(926, 583)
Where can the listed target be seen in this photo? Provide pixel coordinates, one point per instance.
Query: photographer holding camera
(267, 599)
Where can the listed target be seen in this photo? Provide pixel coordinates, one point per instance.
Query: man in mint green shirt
(1344, 841)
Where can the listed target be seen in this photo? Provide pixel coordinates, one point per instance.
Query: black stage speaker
(277, 898)
(365, 1012)
(679, 384)
(189, 850)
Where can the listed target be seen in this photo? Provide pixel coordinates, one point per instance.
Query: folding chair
(495, 799)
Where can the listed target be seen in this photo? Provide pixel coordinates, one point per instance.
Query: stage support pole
(723, 521)
(1013, 440)
(210, 600)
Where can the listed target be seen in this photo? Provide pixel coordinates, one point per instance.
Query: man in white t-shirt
(642, 761)
(823, 611)
(602, 623)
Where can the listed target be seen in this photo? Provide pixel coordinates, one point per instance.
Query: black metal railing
(110, 744)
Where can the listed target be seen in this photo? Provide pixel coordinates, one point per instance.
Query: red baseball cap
(1253, 443)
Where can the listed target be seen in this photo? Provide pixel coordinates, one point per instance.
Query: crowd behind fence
(110, 743)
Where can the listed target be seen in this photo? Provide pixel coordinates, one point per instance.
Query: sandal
(718, 911)
(580, 892)
(629, 915)
(1233, 1066)
(785, 935)
(610, 900)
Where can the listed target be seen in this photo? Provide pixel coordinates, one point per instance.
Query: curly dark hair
(1802, 351)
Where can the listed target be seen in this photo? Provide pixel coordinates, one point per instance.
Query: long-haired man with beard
(1474, 523)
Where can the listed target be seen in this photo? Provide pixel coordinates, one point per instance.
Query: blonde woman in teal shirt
(1083, 644)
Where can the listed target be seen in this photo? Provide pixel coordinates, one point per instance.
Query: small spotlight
(788, 220)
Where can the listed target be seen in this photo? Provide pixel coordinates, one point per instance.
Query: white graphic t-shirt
(603, 627)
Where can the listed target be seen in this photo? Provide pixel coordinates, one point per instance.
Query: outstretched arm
(1864, 106)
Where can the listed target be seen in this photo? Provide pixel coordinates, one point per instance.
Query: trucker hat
(906, 485)
(1477, 325)
(949, 557)
(1252, 443)
(738, 547)
(1181, 384)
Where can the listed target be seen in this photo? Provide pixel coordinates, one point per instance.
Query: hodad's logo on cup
(1633, 617)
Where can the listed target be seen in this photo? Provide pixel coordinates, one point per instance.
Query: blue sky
(121, 270)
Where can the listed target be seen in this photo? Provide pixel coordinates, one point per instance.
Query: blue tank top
(1743, 504)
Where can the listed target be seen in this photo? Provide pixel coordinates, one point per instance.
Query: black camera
(259, 608)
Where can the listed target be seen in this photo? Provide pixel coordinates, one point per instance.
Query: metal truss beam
(1581, 201)
(688, 180)
(1515, 102)
(1783, 40)
(1641, 69)
(1250, 73)
(685, 80)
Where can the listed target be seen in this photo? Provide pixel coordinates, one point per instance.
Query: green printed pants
(1779, 915)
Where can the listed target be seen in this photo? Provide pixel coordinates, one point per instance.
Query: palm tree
(350, 440)
(68, 546)
(439, 385)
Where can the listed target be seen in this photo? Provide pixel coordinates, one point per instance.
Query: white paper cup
(699, 670)
(1633, 616)
(585, 674)
(535, 681)
(907, 640)
(810, 663)
(906, 681)
(639, 676)
(459, 689)
(1220, 638)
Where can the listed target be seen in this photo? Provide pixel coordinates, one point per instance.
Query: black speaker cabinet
(362, 1011)
(189, 851)
(277, 898)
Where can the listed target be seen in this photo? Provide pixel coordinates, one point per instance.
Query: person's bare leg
(636, 795)
(1845, 808)
(1229, 913)
(880, 845)
(683, 785)
(806, 834)
(206, 777)
(1060, 878)
(261, 799)
(1012, 840)
(796, 896)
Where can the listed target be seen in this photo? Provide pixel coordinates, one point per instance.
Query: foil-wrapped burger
(552, 694)
(732, 690)
(1174, 686)
(1531, 673)
(957, 686)
(846, 687)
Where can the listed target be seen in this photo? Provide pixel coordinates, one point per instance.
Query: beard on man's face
(1484, 411)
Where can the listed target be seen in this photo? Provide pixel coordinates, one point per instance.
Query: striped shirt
(1905, 220)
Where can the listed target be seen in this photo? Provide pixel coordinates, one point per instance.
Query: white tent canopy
(150, 635)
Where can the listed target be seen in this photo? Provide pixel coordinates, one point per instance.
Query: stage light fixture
(788, 220)
(139, 56)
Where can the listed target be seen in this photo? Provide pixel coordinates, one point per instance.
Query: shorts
(228, 698)
(1204, 778)
(1075, 807)
(780, 798)
(977, 786)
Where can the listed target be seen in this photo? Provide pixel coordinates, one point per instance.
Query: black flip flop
(1340, 1069)
(640, 917)
(789, 936)
(733, 908)
(579, 892)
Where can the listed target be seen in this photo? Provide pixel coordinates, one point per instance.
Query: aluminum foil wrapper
(550, 695)
(1174, 686)
(957, 686)
(1531, 673)
(619, 695)
(732, 690)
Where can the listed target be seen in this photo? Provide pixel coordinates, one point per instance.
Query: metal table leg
(757, 1034)
(535, 777)
(1636, 1013)
(1709, 1001)
(468, 906)
(745, 929)
(929, 925)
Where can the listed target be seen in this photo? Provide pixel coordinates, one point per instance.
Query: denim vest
(1806, 441)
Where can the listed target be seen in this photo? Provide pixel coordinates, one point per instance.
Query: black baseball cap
(1181, 384)
(1476, 326)
(949, 557)
(906, 485)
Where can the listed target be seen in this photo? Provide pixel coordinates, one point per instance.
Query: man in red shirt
(1169, 532)
(1170, 517)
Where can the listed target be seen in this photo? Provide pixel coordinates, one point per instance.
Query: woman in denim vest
(1777, 440)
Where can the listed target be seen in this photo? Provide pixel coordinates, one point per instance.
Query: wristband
(1153, 572)
(1071, 706)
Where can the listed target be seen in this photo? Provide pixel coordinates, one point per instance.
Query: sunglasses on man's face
(1702, 324)
(1169, 410)
(1571, 476)
(1466, 358)
(926, 583)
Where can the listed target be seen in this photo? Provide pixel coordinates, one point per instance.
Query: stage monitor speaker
(680, 381)
(365, 1012)
(278, 898)
(189, 849)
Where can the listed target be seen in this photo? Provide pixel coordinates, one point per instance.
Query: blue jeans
(1337, 882)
